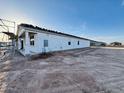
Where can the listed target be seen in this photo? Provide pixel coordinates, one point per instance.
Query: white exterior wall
(55, 42)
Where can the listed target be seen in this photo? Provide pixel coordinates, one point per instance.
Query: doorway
(22, 44)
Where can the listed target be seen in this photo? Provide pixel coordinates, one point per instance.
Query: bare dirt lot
(90, 70)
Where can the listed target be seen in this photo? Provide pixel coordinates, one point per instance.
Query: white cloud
(122, 3)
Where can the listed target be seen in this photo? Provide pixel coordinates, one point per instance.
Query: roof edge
(52, 31)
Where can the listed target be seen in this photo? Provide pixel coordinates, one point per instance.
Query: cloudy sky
(101, 20)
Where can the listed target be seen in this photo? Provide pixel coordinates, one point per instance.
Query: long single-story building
(97, 43)
(34, 40)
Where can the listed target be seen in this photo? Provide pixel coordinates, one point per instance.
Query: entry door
(22, 44)
(45, 44)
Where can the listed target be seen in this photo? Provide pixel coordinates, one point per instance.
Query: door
(22, 44)
(45, 49)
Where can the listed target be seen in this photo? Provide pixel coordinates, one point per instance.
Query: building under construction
(7, 37)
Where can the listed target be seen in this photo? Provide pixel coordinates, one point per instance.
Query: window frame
(32, 37)
(45, 43)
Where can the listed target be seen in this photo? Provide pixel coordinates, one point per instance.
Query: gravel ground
(89, 70)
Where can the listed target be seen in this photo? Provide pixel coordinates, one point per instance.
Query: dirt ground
(89, 70)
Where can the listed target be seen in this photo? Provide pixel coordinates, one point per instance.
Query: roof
(51, 31)
(9, 34)
(97, 41)
(12, 35)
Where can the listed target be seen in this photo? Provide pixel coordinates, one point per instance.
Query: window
(78, 42)
(69, 43)
(45, 43)
(32, 39)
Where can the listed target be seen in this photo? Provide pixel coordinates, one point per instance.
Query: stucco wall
(55, 43)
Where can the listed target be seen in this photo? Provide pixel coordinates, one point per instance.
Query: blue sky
(101, 20)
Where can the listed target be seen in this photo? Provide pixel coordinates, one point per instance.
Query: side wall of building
(55, 43)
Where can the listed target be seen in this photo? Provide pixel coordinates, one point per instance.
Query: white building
(35, 40)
